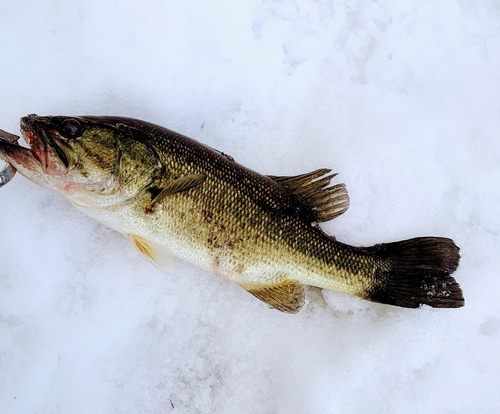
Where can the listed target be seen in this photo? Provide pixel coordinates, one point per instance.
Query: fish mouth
(41, 144)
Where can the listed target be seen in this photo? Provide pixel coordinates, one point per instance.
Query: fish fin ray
(322, 202)
(153, 252)
(178, 185)
(286, 296)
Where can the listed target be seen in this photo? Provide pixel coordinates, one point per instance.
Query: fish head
(69, 149)
(92, 161)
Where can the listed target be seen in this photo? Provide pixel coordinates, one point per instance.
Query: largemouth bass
(172, 196)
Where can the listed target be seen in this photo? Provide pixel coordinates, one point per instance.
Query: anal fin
(286, 296)
(153, 252)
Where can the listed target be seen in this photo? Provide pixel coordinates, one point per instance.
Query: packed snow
(401, 98)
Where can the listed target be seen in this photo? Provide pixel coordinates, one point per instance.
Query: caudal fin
(417, 272)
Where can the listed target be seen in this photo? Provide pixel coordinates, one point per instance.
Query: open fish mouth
(44, 153)
(32, 134)
(41, 144)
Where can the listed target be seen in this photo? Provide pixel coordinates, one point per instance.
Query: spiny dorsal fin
(180, 184)
(323, 202)
(285, 296)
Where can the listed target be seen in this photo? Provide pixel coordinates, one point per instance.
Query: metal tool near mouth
(8, 172)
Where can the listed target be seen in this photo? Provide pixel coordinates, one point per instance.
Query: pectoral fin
(153, 252)
(285, 296)
(178, 185)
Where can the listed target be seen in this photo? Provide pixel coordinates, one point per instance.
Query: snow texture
(401, 98)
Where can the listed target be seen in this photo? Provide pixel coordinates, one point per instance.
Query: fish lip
(33, 137)
(41, 143)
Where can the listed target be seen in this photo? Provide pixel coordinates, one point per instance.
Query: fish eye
(70, 128)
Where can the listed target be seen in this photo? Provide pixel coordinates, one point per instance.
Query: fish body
(172, 196)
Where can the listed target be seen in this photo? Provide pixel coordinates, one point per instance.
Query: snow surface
(401, 98)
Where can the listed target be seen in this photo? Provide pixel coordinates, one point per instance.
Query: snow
(402, 99)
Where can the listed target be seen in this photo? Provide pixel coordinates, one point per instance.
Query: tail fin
(417, 272)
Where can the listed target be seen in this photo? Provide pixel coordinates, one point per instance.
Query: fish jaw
(27, 164)
(37, 146)
(51, 155)
(35, 163)
(21, 158)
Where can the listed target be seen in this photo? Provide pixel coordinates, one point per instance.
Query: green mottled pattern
(249, 226)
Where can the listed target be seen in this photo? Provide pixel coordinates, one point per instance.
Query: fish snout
(28, 122)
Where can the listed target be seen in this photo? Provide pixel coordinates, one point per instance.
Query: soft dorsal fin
(178, 185)
(323, 202)
(285, 296)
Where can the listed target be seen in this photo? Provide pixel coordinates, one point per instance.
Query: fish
(172, 196)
